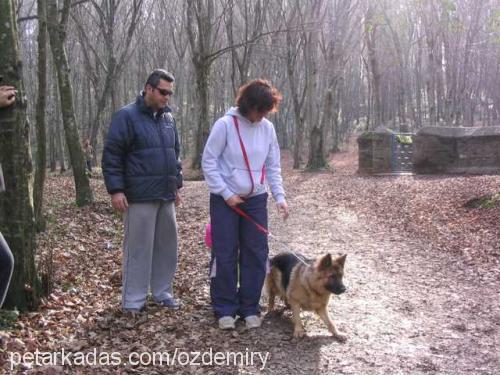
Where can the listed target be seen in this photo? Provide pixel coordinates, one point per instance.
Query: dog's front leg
(270, 293)
(298, 329)
(272, 298)
(323, 314)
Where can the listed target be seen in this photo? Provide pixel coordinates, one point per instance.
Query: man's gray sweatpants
(149, 252)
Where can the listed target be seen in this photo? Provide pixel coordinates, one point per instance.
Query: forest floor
(422, 272)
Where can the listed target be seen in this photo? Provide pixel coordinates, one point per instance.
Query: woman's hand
(234, 200)
(7, 95)
(283, 209)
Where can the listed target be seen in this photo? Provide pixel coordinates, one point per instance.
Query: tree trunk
(41, 149)
(401, 81)
(200, 33)
(57, 35)
(202, 75)
(52, 149)
(417, 113)
(335, 123)
(58, 131)
(317, 158)
(430, 77)
(297, 146)
(101, 106)
(296, 100)
(17, 220)
(370, 39)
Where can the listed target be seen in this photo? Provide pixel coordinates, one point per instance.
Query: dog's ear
(341, 260)
(325, 262)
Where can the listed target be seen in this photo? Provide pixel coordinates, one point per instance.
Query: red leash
(260, 228)
(247, 162)
(245, 156)
(246, 216)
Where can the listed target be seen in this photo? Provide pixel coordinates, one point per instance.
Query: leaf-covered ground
(422, 271)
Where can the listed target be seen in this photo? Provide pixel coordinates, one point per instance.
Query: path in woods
(411, 306)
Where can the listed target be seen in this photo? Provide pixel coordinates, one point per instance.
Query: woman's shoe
(226, 322)
(253, 321)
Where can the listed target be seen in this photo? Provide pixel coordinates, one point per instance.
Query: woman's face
(255, 116)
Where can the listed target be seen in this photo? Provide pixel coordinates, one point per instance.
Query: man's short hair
(157, 74)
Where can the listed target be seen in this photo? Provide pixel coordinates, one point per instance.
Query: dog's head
(329, 273)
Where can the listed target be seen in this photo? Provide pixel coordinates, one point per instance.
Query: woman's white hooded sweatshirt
(223, 163)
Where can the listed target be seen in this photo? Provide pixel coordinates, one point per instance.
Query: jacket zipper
(158, 129)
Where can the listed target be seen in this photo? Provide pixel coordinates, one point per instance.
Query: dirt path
(411, 306)
(408, 309)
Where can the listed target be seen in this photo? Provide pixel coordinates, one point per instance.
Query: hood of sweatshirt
(234, 111)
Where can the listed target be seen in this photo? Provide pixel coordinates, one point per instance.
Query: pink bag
(208, 235)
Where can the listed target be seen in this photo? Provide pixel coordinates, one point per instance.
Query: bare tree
(110, 65)
(371, 28)
(352, 65)
(17, 220)
(294, 45)
(57, 33)
(203, 33)
(248, 22)
(335, 42)
(41, 149)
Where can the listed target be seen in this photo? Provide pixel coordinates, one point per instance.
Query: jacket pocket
(239, 181)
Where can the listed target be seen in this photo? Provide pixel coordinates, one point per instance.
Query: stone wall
(374, 151)
(457, 150)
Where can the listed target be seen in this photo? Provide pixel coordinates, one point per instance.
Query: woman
(241, 152)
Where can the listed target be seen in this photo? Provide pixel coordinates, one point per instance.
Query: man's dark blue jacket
(141, 154)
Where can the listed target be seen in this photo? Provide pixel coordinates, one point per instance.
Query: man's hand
(119, 202)
(178, 199)
(234, 200)
(283, 209)
(7, 95)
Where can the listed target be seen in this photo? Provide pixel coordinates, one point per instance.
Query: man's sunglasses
(164, 92)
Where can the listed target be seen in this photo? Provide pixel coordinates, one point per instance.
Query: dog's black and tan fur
(306, 287)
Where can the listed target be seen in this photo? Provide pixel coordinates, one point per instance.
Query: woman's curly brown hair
(258, 95)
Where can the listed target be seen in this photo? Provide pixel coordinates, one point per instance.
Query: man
(89, 154)
(7, 97)
(142, 173)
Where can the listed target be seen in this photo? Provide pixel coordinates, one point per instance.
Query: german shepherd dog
(306, 287)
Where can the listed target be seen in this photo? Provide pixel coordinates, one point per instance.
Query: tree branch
(35, 17)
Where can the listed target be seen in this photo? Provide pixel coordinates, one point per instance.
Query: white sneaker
(226, 322)
(253, 321)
